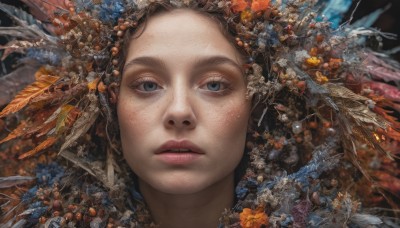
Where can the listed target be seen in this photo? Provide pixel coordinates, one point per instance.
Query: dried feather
(353, 105)
(45, 10)
(381, 67)
(393, 134)
(384, 73)
(101, 174)
(67, 115)
(365, 220)
(16, 46)
(20, 16)
(370, 19)
(24, 97)
(30, 33)
(43, 130)
(18, 32)
(388, 182)
(354, 119)
(83, 123)
(388, 91)
(11, 181)
(361, 114)
(110, 167)
(20, 224)
(77, 161)
(43, 145)
(15, 81)
(60, 95)
(336, 90)
(17, 132)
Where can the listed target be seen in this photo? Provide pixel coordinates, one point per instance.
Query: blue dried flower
(30, 194)
(49, 174)
(83, 5)
(110, 10)
(241, 192)
(35, 204)
(334, 11)
(314, 220)
(44, 56)
(37, 212)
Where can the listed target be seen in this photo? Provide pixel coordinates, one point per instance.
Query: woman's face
(182, 106)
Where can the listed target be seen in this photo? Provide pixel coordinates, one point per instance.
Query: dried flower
(313, 61)
(259, 5)
(239, 5)
(253, 218)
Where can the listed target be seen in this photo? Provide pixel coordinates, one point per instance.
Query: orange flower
(253, 219)
(259, 5)
(239, 5)
(254, 5)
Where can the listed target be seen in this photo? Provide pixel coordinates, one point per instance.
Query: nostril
(186, 122)
(171, 122)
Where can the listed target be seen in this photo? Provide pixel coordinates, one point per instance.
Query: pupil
(214, 86)
(149, 86)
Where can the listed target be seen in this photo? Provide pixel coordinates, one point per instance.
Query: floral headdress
(324, 125)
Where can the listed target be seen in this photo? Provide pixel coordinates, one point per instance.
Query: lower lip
(178, 158)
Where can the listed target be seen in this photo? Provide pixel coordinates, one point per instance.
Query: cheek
(132, 122)
(231, 118)
(132, 119)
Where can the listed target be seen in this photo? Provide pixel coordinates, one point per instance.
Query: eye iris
(214, 86)
(149, 86)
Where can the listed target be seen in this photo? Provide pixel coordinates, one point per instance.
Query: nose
(179, 112)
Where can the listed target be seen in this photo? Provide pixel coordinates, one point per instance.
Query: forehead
(182, 29)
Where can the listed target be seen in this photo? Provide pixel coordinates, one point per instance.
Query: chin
(179, 183)
(184, 184)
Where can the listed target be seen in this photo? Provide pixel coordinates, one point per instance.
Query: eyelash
(140, 82)
(217, 79)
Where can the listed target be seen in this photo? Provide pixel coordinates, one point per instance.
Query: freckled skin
(217, 122)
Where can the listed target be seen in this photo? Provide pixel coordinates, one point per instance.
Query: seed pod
(78, 216)
(68, 216)
(92, 212)
(57, 205)
(120, 33)
(56, 195)
(71, 208)
(122, 27)
(116, 73)
(42, 220)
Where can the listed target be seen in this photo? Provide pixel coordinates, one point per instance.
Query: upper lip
(179, 145)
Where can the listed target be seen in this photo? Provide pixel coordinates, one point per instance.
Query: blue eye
(214, 86)
(149, 86)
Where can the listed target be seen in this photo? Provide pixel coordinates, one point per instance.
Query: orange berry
(92, 212)
(78, 216)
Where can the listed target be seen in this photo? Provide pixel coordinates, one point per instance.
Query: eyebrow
(146, 61)
(201, 62)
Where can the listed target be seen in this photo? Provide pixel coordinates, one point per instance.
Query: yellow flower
(253, 218)
(320, 78)
(313, 61)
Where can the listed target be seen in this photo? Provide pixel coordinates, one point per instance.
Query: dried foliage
(326, 130)
(23, 98)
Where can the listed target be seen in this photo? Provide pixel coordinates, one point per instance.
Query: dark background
(388, 22)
